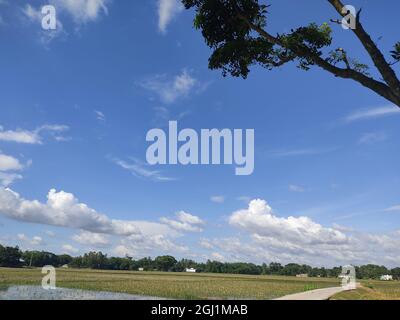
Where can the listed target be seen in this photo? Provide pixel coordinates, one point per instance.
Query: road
(318, 294)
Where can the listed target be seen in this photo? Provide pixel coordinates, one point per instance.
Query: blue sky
(76, 104)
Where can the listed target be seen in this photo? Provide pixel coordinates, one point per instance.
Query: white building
(386, 277)
(302, 275)
(193, 270)
(141, 269)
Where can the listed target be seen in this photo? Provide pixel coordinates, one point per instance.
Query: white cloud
(370, 113)
(91, 239)
(82, 11)
(167, 10)
(295, 188)
(141, 169)
(170, 90)
(301, 152)
(372, 137)
(50, 233)
(342, 228)
(31, 137)
(144, 245)
(205, 243)
(61, 209)
(393, 209)
(35, 16)
(245, 199)
(68, 249)
(7, 178)
(35, 241)
(218, 257)
(259, 220)
(9, 163)
(99, 115)
(217, 199)
(185, 222)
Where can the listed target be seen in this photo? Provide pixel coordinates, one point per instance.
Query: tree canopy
(237, 32)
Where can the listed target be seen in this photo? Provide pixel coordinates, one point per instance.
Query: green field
(372, 290)
(171, 285)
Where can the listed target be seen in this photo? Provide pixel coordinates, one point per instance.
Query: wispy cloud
(82, 11)
(141, 169)
(167, 10)
(296, 188)
(34, 136)
(170, 89)
(100, 115)
(217, 199)
(301, 152)
(370, 113)
(35, 16)
(393, 209)
(372, 137)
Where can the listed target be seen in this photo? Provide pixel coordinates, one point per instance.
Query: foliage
(10, 257)
(396, 52)
(237, 33)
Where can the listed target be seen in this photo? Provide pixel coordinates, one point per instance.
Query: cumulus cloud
(35, 241)
(8, 166)
(266, 237)
(6, 178)
(259, 220)
(68, 249)
(91, 239)
(143, 245)
(167, 10)
(9, 163)
(32, 137)
(170, 89)
(61, 209)
(185, 222)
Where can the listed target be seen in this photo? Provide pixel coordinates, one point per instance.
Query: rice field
(171, 285)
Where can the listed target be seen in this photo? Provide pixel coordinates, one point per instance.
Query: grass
(372, 290)
(171, 285)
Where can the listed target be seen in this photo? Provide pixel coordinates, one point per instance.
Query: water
(38, 293)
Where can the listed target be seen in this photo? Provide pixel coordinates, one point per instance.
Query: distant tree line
(13, 257)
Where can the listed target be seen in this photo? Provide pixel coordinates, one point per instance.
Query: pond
(38, 293)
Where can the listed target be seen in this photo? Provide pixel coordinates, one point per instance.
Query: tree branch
(377, 86)
(388, 74)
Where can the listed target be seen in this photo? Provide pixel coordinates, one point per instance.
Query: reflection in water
(38, 293)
